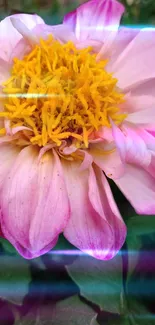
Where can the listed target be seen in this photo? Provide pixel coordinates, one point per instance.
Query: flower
(77, 107)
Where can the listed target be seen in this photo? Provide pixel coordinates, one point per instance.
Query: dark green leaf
(71, 311)
(136, 314)
(134, 244)
(121, 320)
(139, 314)
(7, 247)
(99, 281)
(138, 227)
(94, 321)
(141, 225)
(14, 278)
(38, 263)
(27, 320)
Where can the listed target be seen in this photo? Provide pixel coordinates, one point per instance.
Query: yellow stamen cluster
(60, 92)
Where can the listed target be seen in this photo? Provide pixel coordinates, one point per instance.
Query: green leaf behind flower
(14, 278)
(99, 281)
(138, 227)
(71, 311)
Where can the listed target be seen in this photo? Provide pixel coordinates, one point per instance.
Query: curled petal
(100, 194)
(131, 146)
(23, 47)
(87, 160)
(34, 203)
(151, 168)
(9, 36)
(90, 227)
(104, 133)
(148, 138)
(109, 161)
(24, 31)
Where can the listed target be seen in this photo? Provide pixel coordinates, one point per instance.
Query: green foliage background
(137, 11)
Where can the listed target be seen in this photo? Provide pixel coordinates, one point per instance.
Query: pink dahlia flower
(77, 107)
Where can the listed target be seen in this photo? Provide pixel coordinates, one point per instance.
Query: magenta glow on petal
(70, 20)
(95, 20)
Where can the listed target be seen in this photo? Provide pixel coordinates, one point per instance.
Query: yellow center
(60, 93)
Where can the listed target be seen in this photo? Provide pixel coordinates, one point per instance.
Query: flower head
(76, 108)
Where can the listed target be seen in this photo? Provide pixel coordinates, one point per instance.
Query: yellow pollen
(60, 93)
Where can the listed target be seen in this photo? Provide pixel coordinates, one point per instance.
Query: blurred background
(52, 11)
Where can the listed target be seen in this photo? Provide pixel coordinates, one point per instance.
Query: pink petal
(148, 138)
(123, 37)
(145, 89)
(95, 20)
(140, 98)
(109, 161)
(139, 188)
(138, 103)
(111, 211)
(95, 45)
(150, 142)
(134, 65)
(104, 133)
(145, 117)
(131, 146)
(60, 32)
(87, 160)
(22, 48)
(4, 71)
(9, 36)
(70, 20)
(7, 139)
(8, 154)
(24, 30)
(151, 168)
(34, 203)
(93, 226)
